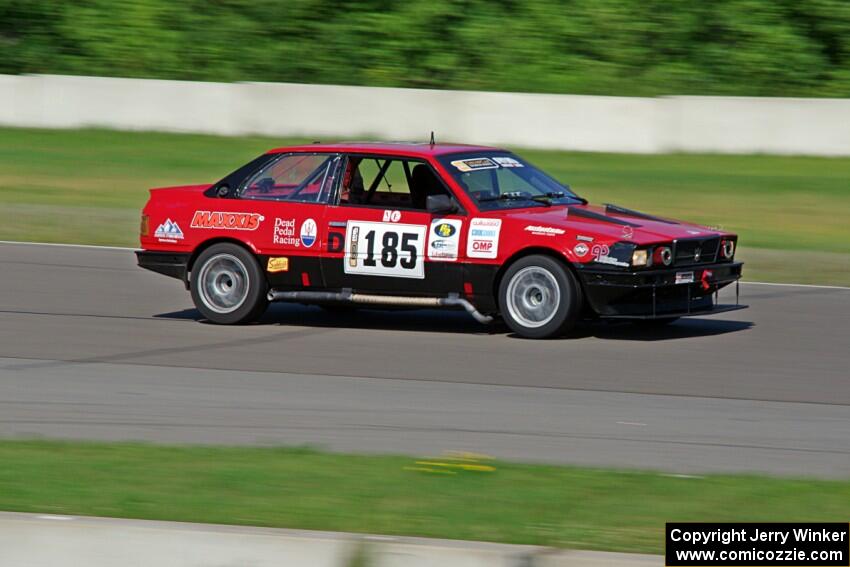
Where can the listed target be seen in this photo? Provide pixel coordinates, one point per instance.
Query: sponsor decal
(684, 277)
(605, 259)
(599, 250)
(308, 232)
(169, 231)
(600, 255)
(584, 238)
(483, 241)
(628, 232)
(706, 279)
(444, 229)
(284, 233)
(581, 249)
(278, 264)
(385, 249)
(336, 241)
(474, 164)
(544, 230)
(444, 240)
(507, 162)
(392, 216)
(226, 221)
(353, 245)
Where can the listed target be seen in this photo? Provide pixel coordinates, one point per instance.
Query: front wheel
(539, 297)
(228, 286)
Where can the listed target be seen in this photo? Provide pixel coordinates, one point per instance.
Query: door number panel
(385, 249)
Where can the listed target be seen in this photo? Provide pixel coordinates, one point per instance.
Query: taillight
(727, 249)
(144, 229)
(662, 255)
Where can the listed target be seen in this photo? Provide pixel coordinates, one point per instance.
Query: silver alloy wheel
(223, 283)
(533, 296)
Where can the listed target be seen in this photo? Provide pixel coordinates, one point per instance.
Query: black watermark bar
(757, 544)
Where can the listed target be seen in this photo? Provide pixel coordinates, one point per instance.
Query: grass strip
(308, 489)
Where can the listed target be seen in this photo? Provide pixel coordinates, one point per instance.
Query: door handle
(338, 224)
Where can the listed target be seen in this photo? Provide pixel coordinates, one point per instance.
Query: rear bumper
(653, 294)
(173, 264)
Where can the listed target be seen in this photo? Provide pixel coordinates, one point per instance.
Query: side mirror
(440, 204)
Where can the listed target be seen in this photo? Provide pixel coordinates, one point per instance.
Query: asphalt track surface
(92, 347)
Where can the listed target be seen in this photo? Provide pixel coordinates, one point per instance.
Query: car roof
(417, 149)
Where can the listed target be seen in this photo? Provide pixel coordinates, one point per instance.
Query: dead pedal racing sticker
(278, 264)
(444, 240)
(385, 249)
(226, 221)
(169, 231)
(284, 233)
(483, 241)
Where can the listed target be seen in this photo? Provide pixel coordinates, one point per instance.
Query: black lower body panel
(173, 264)
(657, 294)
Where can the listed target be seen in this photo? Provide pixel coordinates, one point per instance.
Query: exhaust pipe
(347, 296)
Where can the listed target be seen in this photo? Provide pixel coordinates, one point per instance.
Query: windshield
(502, 180)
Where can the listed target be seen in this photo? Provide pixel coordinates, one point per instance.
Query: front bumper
(173, 264)
(653, 294)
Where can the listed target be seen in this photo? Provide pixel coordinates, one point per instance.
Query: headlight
(640, 258)
(662, 255)
(727, 249)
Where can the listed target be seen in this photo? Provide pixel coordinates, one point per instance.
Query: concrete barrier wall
(28, 540)
(567, 122)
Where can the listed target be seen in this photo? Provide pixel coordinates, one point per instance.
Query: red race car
(427, 225)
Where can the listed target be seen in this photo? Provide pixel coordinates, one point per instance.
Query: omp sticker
(474, 164)
(483, 240)
(308, 232)
(279, 264)
(444, 240)
(226, 221)
(169, 231)
(507, 162)
(385, 249)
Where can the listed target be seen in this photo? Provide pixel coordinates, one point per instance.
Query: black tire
(228, 286)
(539, 297)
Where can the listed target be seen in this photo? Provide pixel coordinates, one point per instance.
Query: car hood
(612, 222)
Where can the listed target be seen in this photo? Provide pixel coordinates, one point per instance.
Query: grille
(694, 252)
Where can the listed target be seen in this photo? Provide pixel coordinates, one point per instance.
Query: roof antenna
(432, 137)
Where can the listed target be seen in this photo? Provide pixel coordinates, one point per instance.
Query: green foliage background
(616, 47)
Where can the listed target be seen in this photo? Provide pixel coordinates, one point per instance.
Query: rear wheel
(539, 297)
(228, 286)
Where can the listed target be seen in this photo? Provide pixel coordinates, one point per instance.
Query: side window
(294, 177)
(388, 182)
